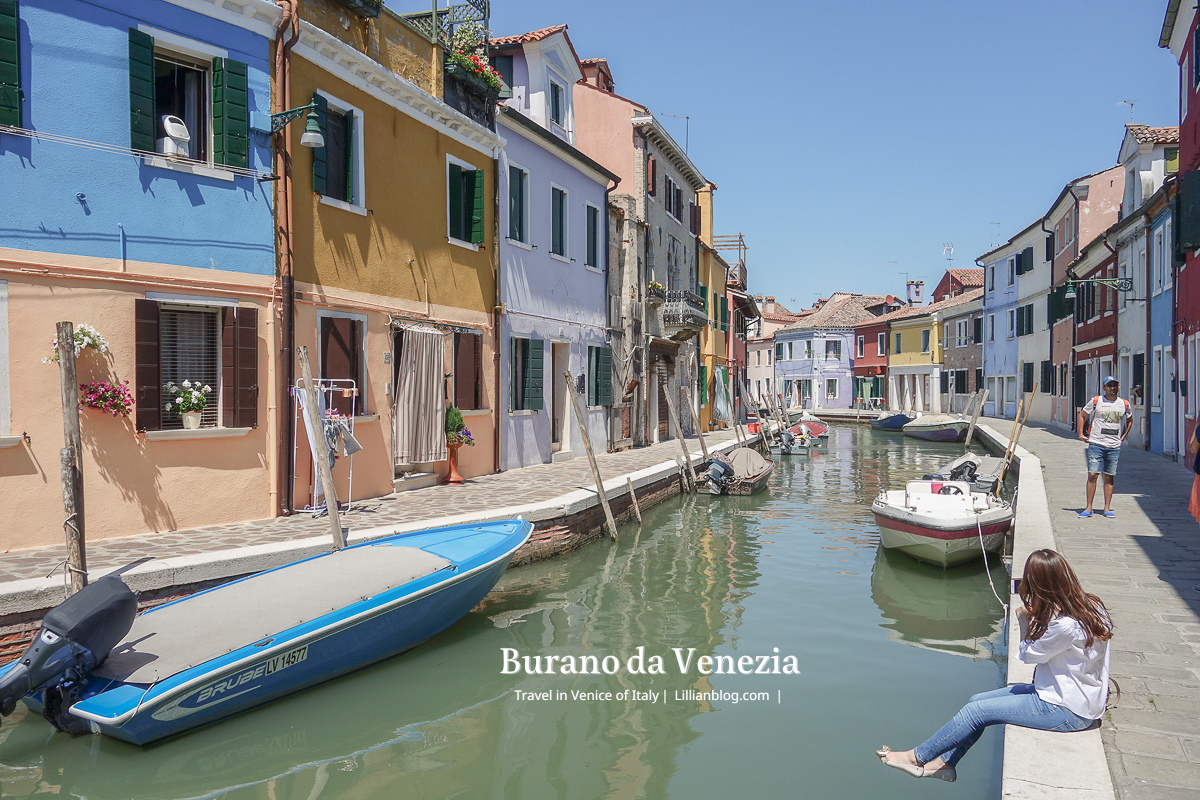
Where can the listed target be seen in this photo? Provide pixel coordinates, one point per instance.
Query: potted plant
(468, 60)
(111, 398)
(188, 400)
(457, 435)
(656, 292)
(86, 338)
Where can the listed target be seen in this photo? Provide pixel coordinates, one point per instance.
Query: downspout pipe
(609, 322)
(1074, 327)
(497, 310)
(283, 211)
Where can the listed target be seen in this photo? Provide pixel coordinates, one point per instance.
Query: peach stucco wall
(131, 485)
(603, 130)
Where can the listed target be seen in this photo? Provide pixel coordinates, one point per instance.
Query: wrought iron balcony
(683, 315)
(655, 293)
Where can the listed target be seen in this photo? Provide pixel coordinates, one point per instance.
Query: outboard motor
(720, 470)
(788, 439)
(76, 637)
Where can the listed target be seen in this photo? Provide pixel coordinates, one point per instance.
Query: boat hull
(743, 486)
(942, 432)
(942, 542)
(344, 640)
(892, 423)
(793, 450)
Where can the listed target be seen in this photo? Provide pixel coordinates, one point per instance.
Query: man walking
(1104, 423)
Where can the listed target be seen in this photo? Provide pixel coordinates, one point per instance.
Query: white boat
(938, 427)
(944, 522)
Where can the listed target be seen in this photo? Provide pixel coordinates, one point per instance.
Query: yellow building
(393, 242)
(713, 367)
(915, 354)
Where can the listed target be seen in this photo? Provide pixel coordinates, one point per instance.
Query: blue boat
(891, 421)
(214, 654)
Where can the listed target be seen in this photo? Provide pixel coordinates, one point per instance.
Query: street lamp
(1120, 284)
(312, 130)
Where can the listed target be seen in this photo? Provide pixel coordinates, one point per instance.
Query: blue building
(133, 205)
(814, 358)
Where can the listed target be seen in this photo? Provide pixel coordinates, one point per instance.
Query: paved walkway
(486, 493)
(1145, 565)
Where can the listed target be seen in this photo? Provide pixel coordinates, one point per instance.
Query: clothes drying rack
(326, 389)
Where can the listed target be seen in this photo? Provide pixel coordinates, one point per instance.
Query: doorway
(560, 362)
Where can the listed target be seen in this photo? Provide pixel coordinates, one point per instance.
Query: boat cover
(175, 637)
(746, 462)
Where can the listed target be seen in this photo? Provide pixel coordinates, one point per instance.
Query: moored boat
(742, 472)
(943, 522)
(217, 653)
(938, 427)
(891, 421)
(789, 444)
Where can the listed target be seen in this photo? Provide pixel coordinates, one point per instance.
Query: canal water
(887, 649)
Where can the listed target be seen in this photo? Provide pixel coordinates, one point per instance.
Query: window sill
(519, 243)
(477, 412)
(10, 441)
(365, 418)
(192, 169)
(590, 268)
(343, 205)
(462, 244)
(523, 412)
(197, 433)
(563, 259)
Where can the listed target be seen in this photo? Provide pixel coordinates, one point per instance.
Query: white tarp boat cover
(746, 462)
(173, 638)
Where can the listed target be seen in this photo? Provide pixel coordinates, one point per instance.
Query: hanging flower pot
(191, 420)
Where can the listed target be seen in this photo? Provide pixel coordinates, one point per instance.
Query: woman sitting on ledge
(1065, 633)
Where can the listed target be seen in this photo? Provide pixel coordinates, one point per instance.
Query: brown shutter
(651, 176)
(340, 359)
(246, 413)
(465, 361)
(239, 367)
(146, 369)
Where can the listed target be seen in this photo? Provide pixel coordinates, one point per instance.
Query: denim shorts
(1102, 459)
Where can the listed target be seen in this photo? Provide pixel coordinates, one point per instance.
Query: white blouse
(1069, 674)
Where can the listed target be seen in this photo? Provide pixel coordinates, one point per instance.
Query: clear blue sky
(847, 135)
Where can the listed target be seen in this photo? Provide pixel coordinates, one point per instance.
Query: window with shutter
(477, 206)
(533, 374)
(651, 176)
(319, 166)
(960, 381)
(1050, 246)
(604, 377)
(143, 125)
(1187, 207)
(518, 184)
(1027, 376)
(592, 256)
(702, 290)
(189, 342)
(468, 375)
(464, 202)
(881, 344)
(558, 221)
(342, 358)
(231, 113)
(678, 204)
(703, 385)
(944, 382)
(779, 351)
(978, 332)
(724, 313)
(897, 350)
(239, 367)
(148, 396)
(10, 65)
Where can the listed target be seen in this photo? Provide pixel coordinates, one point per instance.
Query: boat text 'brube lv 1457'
(211, 655)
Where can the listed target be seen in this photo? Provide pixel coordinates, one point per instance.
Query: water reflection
(940, 609)
(794, 567)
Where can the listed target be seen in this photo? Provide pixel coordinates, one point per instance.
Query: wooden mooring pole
(71, 458)
(587, 446)
(321, 457)
(637, 509)
(699, 434)
(687, 454)
(982, 394)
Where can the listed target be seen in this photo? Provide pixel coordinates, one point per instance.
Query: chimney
(916, 293)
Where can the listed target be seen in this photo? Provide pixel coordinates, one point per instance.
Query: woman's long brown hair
(1049, 588)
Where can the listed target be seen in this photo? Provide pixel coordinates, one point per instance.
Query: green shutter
(724, 313)
(604, 381)
(455, 190)
(142, 124)
(231, 115)
(592, 370)
(533, 375)
(10, 65)
(320, 164)
(703, 297)
(703, 385)
(477, 206)
(514, 353)
(779, 351)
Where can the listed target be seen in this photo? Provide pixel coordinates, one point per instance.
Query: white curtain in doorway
(721, 409)
(420, 411)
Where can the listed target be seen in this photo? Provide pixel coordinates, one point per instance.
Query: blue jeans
(1012, 705)
(1102, 459)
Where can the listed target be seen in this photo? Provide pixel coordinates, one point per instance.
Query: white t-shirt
(1109, 421)
(1068, 674)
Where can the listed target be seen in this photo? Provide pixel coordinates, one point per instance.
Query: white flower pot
(191, 420)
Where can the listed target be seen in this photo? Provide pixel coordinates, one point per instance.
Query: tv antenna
(687, 128)
(996, 233)
(1130, 104)
(948, 252)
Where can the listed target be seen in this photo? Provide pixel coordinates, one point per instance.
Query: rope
(986, 570)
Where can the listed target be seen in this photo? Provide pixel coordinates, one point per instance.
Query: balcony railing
(683, 314)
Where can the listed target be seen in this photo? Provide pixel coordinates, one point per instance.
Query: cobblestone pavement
(514, 488)
(1145, 565)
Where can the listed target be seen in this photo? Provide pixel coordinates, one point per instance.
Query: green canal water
(887, 650)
